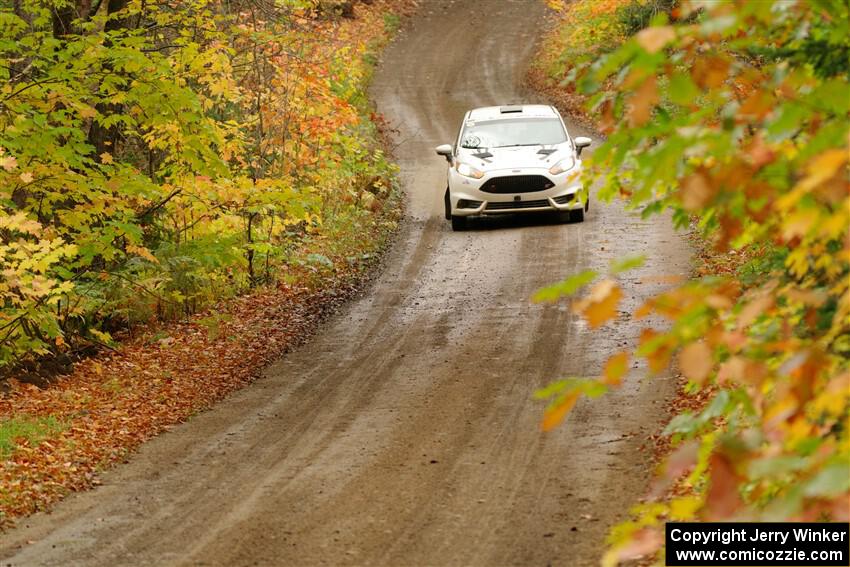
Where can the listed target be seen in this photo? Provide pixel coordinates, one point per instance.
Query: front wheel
(459, 223)
(448, 202)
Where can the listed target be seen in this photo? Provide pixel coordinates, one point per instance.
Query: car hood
(518, 157)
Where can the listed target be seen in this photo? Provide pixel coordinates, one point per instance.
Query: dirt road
(405, 432)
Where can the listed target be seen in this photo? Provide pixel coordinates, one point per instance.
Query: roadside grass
(28, 430)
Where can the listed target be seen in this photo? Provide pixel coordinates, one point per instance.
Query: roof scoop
(510, 109)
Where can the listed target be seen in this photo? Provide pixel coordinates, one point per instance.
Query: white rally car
(514, 159)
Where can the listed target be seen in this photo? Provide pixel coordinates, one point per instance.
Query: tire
(577, 215)
(448, 203)
(459, 223)
(587, 203)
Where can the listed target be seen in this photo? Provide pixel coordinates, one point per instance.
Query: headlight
(468, 171)
(565, 164)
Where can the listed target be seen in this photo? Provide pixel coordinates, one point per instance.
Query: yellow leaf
(685, 507)
(143, 252)
(106, 157)
(641, 544)
(822, 168)
(86, 111)
(799, 224)
(21, 223)
(26, 177)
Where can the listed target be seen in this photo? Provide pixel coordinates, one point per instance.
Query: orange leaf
(723, 498)
(696, 361)
(601, 304)
(753, 309)
(696, 191)
(710, 72)
(642, 101)
(616, 368)
(556, 413)
(659, 357)
(757, 105)
(822, 167)
(654, 38)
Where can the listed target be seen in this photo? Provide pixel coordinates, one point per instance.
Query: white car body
(491, 172)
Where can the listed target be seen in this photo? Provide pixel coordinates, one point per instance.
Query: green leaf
(626, 264)
(682, 89)
(833, 480)
(565, 288)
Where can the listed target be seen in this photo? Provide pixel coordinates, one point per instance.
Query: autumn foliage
(154, 169)
(157, 156)
(733, 116)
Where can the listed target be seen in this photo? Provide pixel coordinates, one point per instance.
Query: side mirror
(581, 142)
(446, 151)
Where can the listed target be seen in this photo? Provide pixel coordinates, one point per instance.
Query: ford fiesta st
(514, 159)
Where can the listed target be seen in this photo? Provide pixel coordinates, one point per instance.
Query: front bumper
(467, 198)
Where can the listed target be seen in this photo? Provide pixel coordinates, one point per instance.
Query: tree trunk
(100, 137)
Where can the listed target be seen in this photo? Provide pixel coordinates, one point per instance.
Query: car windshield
(512, 132)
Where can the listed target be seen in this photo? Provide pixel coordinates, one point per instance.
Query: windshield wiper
(518, 145)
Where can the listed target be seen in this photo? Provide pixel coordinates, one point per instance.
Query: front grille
(517, 184)
(564, 199)
(517, 205)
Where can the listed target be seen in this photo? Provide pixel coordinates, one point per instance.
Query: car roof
(512, 111)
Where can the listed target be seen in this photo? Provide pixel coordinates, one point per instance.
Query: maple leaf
(723, 498)
(696, 362)
(601, 304)
(615, 368)
(697, 191)
(654, 38)
(8, 163)
(555, 414)
(642, 101)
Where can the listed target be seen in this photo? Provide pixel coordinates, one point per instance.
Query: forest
(158, 156)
